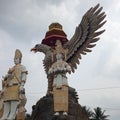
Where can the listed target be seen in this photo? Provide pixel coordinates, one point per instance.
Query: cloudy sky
(23, 23)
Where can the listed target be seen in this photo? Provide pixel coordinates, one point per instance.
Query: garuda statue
(63, 55)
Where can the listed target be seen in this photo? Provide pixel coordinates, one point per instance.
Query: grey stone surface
(43, 110)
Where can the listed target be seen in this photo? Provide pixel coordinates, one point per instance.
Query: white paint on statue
(13, 87)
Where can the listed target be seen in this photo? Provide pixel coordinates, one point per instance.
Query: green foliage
(88, 112)
(97, 114)
(27, 116)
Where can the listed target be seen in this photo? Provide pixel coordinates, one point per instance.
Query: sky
(23, 23)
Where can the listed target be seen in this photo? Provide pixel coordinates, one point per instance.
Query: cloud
(24, 24)
(25, 19)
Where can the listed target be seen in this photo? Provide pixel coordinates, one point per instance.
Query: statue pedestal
(44, 109)
(61, 99)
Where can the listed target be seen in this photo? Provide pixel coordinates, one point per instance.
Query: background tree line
(96, 114)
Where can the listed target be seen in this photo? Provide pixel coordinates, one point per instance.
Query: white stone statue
(1, 103)
(13, 87)
(60, 82)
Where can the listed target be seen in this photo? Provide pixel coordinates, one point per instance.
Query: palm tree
(98, 114)
(88, 112)
(27, 116)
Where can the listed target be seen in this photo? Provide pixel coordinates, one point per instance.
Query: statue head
(58, 43)
(17, 57)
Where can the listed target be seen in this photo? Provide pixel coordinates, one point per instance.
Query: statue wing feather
(85, 36)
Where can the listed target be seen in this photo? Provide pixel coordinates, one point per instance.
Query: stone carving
(60, 84)
(44, 108)
(21, 107)
(63, 55)
(1, 104)
(13, 88)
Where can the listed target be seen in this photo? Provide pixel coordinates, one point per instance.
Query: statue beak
(34, 50)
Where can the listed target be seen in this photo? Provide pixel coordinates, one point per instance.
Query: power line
(112, 109)
(105, 108)
(91, 89)
(98, 88)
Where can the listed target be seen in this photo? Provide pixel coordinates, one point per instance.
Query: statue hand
(21, 88)
(2, 91)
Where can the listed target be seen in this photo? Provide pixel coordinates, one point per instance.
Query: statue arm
(23, 78)
(6, 79)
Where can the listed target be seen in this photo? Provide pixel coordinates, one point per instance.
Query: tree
(88, 111)
(98, 114)
(27, 116)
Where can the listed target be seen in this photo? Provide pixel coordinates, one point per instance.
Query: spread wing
(85, 36)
